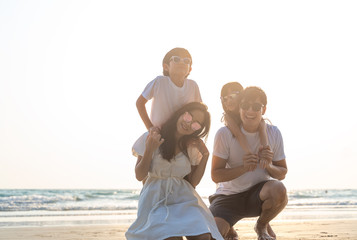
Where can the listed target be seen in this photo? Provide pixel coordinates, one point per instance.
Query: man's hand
(250, 161)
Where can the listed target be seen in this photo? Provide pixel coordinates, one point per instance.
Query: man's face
(251, 113)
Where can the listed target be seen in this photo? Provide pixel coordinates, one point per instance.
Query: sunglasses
(177, 59)
(230, 96)
(255, 106)
(187, 117)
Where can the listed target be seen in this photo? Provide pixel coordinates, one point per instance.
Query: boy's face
(251, 113)
(178, 66)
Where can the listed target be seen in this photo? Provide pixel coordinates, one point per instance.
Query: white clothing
(167, 97)
(227, 147)
(168, 205)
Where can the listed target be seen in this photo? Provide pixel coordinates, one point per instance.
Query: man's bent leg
(223, 226)
(274, 197)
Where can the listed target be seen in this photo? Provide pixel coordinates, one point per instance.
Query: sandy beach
(322, 229)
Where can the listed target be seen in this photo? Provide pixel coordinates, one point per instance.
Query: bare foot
(232, 234)
(271, 232)
(262, 231)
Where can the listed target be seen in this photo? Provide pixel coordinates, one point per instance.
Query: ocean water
(71, 207)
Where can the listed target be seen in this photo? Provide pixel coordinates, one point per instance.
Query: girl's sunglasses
(230, 96)
(187, 117)
(255, 106)
(177, 59)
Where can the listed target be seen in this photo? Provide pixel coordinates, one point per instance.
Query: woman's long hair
(169, 129)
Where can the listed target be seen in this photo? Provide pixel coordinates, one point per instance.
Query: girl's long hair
(169, 129)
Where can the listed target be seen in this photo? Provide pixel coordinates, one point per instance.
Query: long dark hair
(168, 130)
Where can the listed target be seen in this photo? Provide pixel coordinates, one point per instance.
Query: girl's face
(190, 122)
(179, 65)
(230, 101)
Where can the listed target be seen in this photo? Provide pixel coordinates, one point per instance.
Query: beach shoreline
(292, 229)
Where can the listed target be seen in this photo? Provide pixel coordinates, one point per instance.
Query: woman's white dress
(168, 205)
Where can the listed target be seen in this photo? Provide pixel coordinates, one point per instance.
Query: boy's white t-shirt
(227, 147)
(167, 97)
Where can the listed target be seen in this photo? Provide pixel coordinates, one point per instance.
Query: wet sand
(301, 230)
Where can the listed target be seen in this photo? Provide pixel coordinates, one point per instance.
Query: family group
(248, 160)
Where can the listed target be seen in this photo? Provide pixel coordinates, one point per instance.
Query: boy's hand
(250, 161)
(153, 140)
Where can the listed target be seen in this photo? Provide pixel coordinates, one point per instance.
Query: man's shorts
(234, 207)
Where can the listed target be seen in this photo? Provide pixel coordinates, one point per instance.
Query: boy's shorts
(234, 207)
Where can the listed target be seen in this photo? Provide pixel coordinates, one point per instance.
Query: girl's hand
(250, 161)
(154, 140)
(265, 156)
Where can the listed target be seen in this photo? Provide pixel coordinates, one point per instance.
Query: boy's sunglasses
(255, 106)
(230, 96)
(187, 117)
(177, 59)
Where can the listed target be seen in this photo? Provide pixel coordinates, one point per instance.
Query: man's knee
(281, 194)
(275, 191)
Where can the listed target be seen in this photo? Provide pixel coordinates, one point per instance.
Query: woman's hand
(155, 129)
(154, 140)
(250, 161)
(200, 145)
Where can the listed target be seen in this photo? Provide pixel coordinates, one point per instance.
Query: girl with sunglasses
(174, 161)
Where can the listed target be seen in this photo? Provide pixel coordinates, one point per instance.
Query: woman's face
(190, 122)
(230, 101)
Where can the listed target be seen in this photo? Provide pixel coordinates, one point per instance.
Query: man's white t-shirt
(167, 97)
(227, 147)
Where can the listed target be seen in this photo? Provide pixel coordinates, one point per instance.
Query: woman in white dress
(174, 163)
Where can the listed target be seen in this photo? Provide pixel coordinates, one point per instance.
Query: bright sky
(71, 71)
